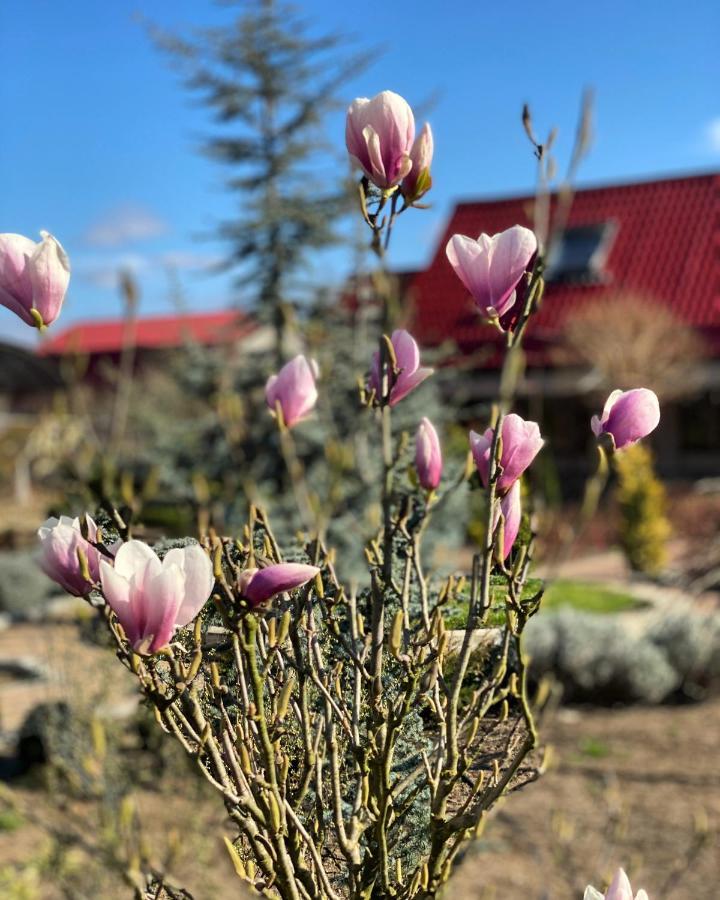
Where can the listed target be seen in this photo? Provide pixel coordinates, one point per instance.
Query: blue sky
(99, 139)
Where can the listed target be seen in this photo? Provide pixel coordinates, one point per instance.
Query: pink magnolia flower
(521, 443)
(628, 416)
(33, 277)
(152, 599)
(428, 456)
(59, 542)
(259, 585)
(418, 181)
(294, 389)
(619, 889)
(511, 509)
(491, 267)
(410, 373)
(379, 136)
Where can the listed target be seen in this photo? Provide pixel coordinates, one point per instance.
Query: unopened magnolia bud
(419, 181)
(217, 561)
(244, 758)
(402, 353)
(284, 698)
(284, 628)
(628, 417)
(235, 858)
(291, 394)
(275, 818)
(472, 734)
(443, 644)
(396, 634)
(428, 456)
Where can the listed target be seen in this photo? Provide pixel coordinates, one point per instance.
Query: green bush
(644, 526)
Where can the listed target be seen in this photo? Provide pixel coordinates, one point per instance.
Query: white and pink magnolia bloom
(521, 443)
(294, 389)
(619, 889)
(152, 599)
(379, 134)
(410, 373)
(34, 277)
(511, 509)
(491, 267)
(428, 455)
(418, 181)
(628, 416)
(259, 585)
(60, 540)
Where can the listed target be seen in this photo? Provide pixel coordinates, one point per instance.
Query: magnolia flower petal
(609, 403)
(118, 595)
(133, 557)
(521, 444)
(407, 383)
(511, 509)
(353, 132)
(470, 264)
(374, 153)
(50, 275)
(16, 290)
(271, 392)
(163, 596)
(199, 579)
(407, 353)
(512, 252)
(480, 446)
(620, 888)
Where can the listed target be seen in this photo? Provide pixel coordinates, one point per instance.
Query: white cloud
(712, 135)
(102, 269)
(187, 260)
(123, 225)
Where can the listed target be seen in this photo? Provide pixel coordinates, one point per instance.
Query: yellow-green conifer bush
(644, 526)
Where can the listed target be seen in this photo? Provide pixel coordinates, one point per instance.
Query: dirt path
(632, 787)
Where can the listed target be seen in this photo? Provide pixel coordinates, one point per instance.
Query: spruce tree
(268, 84)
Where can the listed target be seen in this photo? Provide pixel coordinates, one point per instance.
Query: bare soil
(637, 787)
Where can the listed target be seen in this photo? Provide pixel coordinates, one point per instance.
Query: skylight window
(579, 253)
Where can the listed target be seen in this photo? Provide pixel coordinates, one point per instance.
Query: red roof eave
(151, 333)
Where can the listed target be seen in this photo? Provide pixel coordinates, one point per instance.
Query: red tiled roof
(666, 248)
(152, 332)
